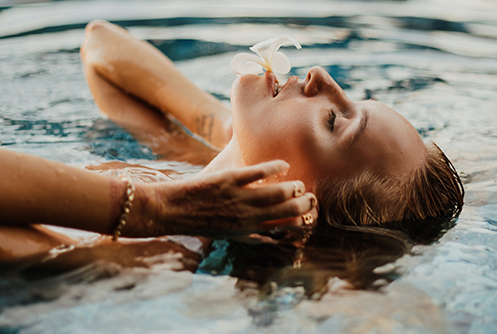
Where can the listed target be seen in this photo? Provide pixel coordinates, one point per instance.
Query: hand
(225, 203)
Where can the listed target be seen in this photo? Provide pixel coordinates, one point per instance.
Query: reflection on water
(435, 61)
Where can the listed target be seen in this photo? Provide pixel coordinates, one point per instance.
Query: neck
(230, 157)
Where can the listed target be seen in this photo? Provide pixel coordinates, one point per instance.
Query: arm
(35, 190)
(139, 69)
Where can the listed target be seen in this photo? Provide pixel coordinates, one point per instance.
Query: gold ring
(297, 191)
(308, 219)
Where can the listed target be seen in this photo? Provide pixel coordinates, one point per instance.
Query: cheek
(298, 145)
(274, 137)
(293, 132)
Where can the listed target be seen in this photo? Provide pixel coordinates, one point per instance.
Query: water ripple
(432, 60)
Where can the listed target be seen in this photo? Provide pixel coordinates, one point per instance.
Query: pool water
(434, 61)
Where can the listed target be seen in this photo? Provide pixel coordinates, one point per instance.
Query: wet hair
(422, 204)
(364, 223)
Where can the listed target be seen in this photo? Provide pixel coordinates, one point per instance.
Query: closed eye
(331, 120)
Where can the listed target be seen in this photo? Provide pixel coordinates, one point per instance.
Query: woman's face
(313, 126)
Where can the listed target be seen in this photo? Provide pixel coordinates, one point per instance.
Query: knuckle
(279, 194)
(297, 188)
(301, 185)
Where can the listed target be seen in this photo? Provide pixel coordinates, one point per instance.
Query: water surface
(434, 61)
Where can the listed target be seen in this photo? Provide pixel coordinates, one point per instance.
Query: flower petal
(263, 49)
(250, 68)
(271, 60)
(281, 63)
(238, 63)
(278, 42)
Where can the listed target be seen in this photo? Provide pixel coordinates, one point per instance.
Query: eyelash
(331, 120)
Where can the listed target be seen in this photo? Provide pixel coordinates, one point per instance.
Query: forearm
(35, 190)
(140, 69)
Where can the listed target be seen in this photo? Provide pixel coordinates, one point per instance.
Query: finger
(255, 238)
(290, 222)
(310, 218)
(313, 201)
(274, 193)
(261, 171)
(294, 207)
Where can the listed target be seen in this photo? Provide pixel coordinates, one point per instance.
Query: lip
(271, 82)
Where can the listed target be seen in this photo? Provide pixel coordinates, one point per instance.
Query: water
(434, 61)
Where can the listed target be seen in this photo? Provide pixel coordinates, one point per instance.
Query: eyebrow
(362, 126)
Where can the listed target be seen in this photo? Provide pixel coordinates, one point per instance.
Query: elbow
(96, 33)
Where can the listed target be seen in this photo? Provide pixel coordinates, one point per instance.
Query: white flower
(270, 59)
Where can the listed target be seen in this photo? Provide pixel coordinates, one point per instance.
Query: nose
(318, 81)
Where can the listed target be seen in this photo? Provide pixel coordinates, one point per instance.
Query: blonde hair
(433, 192)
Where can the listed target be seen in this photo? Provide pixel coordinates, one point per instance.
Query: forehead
(388, 141)
(388, 124)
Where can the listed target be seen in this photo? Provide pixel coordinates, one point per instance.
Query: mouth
(273, 85)
(277, 88)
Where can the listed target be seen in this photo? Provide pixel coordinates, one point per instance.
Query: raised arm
(137, 68)
(35, 190)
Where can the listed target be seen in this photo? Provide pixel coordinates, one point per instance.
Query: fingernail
(313, 200)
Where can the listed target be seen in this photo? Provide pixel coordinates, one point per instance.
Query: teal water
(434, 61)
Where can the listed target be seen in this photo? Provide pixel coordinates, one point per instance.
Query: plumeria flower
(269, 57)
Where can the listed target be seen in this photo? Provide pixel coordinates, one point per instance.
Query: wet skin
(313, 126)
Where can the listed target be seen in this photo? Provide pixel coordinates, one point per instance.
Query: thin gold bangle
(127, 205)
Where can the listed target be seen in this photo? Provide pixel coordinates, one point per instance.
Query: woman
(34, 190)
(365, 162)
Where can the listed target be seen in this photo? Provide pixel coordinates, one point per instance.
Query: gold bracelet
(128, 203)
